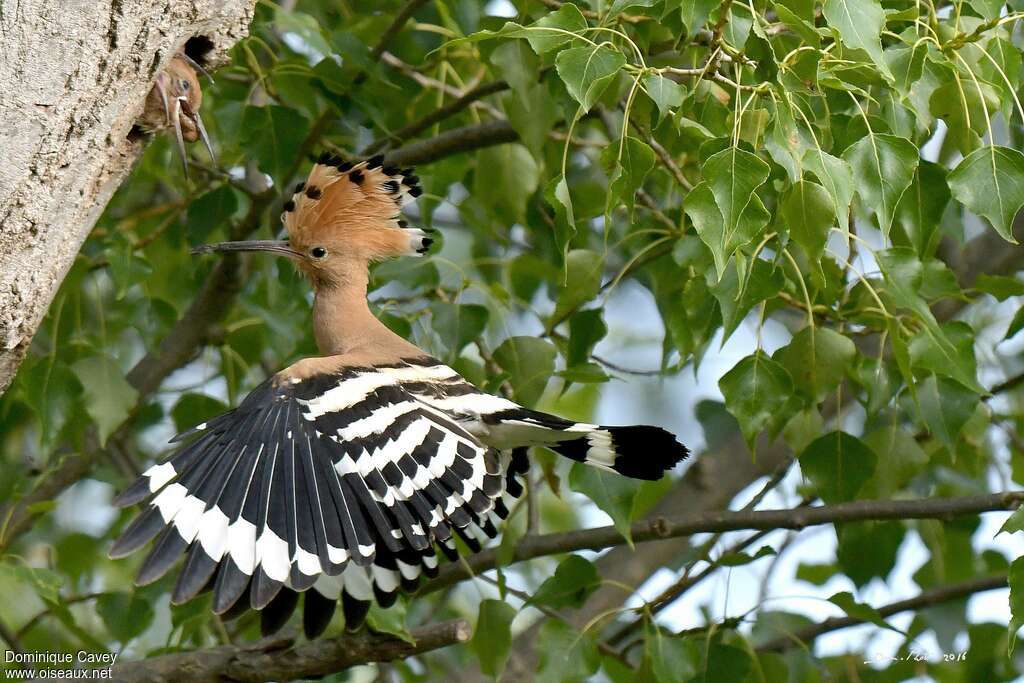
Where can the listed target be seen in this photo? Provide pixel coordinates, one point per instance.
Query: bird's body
(341, 474)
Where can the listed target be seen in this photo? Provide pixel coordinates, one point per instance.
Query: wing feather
(343, 484)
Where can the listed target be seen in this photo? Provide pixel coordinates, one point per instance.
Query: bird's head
(184, 96)
(174, 102)
(345, 216)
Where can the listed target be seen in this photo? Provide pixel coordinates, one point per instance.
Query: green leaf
(756, 391)
(883, 166)
(1002, 287)
(671, 658)
(785, 142)
(557, 194)
(903, 460)
(583, 270)
(860, 24)
(702, 209)
(45, 582)
(618, 6)
(458, 324)
(1013, 523)
(945, 406)
(733, 175)
(990, 182)
(859, 610)
(588, 71)
(966, 108)
(109, 397)
(492, 639)
(126, 615)
(919, 212)
(764, 281)
(533, 114)
(626, 172)
(838, 464)
(1017, 324)
(530, 362)
(739, 559)
(1016, 579)
(192, 409)
(989, 9)
(664, 92)
(817, 574)
(567, 656)
(506, 177)
(517, 64)
(586, 328)
(390, 620)
(612, 493)
(809, 213)
(868, 549)
(574, 580)
(835, 176)
(271, 134)
(726, 664)
(211, 211)
(951, 355)
(560, 25)
(817, 359)
(694, 13)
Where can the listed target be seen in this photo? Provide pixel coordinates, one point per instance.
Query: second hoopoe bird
(173, 103)
(340, 476)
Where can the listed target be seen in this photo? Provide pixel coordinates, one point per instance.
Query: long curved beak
(273, 246)
(197, 120)
(176, 119)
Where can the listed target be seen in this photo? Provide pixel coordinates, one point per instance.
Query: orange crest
(353, 208)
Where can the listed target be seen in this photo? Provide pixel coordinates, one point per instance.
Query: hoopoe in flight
(174, 102)
(340, 476)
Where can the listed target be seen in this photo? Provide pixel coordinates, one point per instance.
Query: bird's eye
(184, 84)
(318, 252)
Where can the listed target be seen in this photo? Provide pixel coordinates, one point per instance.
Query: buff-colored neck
(344, 325)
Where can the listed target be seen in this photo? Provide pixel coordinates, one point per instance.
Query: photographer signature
(879, 658)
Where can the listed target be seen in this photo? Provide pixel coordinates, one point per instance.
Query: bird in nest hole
(174, 102)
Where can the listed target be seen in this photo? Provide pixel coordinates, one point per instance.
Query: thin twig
(46, 612)
(451, 109)
(926, 598)
(660, 528)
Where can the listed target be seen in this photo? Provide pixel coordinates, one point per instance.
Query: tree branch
(438, 115)
(926, 598)
(277, 659)
(395, 27)
(659, 528)
(454, 141)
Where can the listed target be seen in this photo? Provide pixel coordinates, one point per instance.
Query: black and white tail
(640, 452)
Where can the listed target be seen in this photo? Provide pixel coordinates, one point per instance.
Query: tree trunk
(73, 79)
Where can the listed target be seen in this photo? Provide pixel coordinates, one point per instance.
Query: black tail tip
(645, 452)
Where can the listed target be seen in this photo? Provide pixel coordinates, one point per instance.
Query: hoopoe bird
(174, 102)
(342, 475)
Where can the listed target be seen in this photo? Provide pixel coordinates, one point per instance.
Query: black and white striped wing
(342, 482)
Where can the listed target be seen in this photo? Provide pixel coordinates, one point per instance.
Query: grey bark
(73, 79)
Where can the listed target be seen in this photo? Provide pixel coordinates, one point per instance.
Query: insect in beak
(281, 247)
(197, 120)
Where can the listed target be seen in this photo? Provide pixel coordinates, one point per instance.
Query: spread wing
(342, 482)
